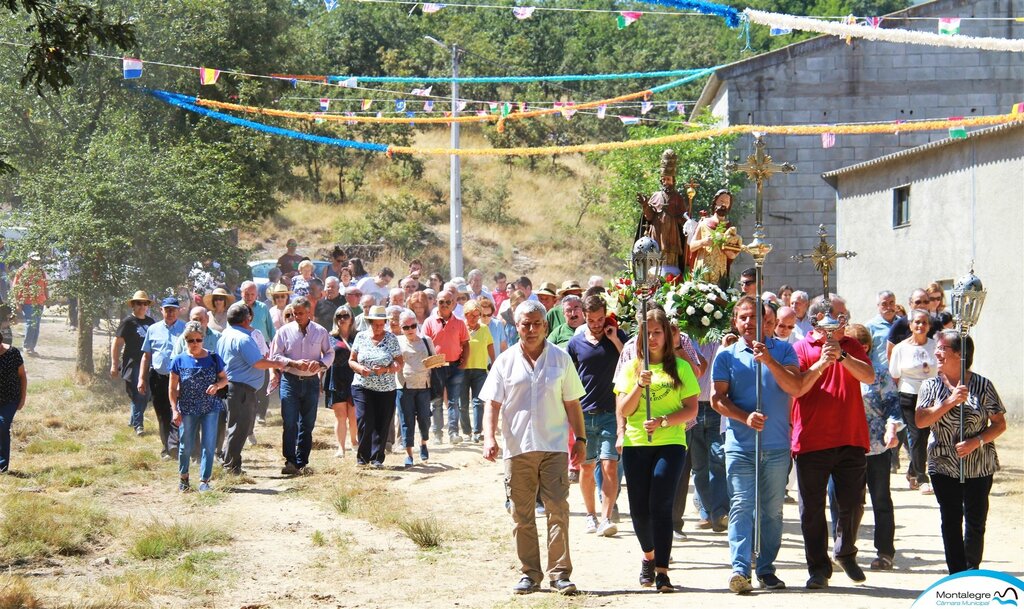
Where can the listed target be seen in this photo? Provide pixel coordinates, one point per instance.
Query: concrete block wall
(824, 80)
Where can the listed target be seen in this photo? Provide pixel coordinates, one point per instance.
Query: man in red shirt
(451, 338)
(830, 439)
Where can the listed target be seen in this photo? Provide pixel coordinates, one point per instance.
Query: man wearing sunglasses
(451, 338)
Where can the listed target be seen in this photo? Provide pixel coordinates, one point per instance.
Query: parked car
(261, 268)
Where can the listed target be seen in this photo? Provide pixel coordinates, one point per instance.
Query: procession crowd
(574, 399)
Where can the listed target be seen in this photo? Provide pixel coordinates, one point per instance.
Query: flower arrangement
(703, 310)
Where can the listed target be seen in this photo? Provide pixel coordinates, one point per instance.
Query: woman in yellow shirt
(653, 450)
(481, 351)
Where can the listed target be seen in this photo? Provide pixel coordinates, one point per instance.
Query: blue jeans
(299, 399)
(451, 377)
(652, 473)
(739, 466)
(472, 381)
(191, 426)
(139, 401)
(415, 410)
(33, 315)
(6, 418)
(704, 442)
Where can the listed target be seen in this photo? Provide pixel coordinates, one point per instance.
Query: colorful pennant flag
(432, 7)
(601, 111)
(506, 108)
(399, 105)
(682, 107)
(1017, 108)
(850, 20)
(428, 106)
(949, 25)
(958, 132)
(350, 122)
(671, 106)
(627, 17)
(330, 5)
(780, 31)
(522, 106)
(131, 67)
(380, 114)
(493, 106)
(462, 105)
(318, 117)
(484, 113)
(874, 22)
(208, 76)
(325, 104)
(828, 140)
(568, 110)
(349, 82)
(646, 106)
(366, 105)
(423, 92)
(630, 120)
(523, 12)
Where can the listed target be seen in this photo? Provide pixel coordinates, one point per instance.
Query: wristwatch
(664, 421)
(581, 439)
(842, 356)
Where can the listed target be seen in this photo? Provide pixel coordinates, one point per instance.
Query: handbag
(436, 382)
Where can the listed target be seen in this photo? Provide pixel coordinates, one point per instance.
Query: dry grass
(162, 540)
(36, 526)
(427, 533)
(16, 594)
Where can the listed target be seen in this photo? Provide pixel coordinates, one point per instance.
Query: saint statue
(715, 243)
(665, 217)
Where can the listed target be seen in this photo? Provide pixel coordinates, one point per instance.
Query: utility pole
(455, 184)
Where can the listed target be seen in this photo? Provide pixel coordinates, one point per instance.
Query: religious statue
(715, 242)
(665, 217)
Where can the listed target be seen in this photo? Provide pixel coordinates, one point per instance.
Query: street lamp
(455, 183)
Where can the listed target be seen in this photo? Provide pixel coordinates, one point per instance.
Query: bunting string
(190, 104)
(843, 30)
(476, 80)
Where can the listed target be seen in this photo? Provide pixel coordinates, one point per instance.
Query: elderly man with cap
(288, 263)
(556, 314)
(245, 364)
(156, 355)
(305, 349)
(547, 295)
(127, 349)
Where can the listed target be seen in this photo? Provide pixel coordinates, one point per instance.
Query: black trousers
(963, 508)
(374, 412)
(241, 414)
(846, 465)
(917, 439)
(159, 385)
(682, 491)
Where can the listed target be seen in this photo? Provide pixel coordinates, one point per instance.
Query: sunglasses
(747, 282)
(412, 327)
(445, 301)
(343, 316)
(289, 316)
(193, 341)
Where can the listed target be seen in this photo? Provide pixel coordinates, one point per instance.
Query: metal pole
(647, 358)
(455, 237)
(757, 436)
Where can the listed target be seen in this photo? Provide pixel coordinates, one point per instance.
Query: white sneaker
(607, 529)
(926, 489)
(454, 439)
(340, 454)
(590, 525)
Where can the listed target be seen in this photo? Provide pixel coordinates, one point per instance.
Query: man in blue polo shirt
(156, 357)
(595, 352)
(245, 367)
(734, 396)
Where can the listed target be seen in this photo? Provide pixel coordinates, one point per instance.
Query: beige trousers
(525, 475)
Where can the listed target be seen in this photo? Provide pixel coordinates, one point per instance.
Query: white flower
(704, 320)
(718, 315)
(708, 307)
(690, 310)
(670, 309)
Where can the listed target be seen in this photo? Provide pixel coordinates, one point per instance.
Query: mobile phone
(611, 321)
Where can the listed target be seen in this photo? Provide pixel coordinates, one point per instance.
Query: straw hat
(276, 289)
(548, 289)
(208, 299)
(569, 287)
(139, 296)
(377, 312)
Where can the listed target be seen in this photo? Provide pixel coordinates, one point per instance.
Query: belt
(296, 377)
(453, 361)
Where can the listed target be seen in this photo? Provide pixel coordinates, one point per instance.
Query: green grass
(35, 526)
(318, 539)
(53, 446)
(162, 540)
(196, 572)
(427, 533)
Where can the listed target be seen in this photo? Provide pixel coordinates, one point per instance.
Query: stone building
(824, 80)
(922, 215)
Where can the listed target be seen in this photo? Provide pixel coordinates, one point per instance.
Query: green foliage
(492, 205)
(399, 223)
(636, 171)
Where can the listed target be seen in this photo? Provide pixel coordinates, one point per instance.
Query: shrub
(424, 532)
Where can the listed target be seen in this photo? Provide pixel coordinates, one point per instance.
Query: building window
(901, 206)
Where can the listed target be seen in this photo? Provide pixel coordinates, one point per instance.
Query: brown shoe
(721, 524)
(704, 524)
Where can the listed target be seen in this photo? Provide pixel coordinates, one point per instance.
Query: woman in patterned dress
(963, 506)
(376, 357)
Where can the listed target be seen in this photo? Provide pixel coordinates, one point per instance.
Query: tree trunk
(84, 366)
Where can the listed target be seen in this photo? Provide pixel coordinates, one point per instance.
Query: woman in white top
(414, 382)
(912, 361)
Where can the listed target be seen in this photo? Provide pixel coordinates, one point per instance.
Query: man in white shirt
(536, 390)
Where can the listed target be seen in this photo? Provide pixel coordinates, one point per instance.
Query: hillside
(540, 239)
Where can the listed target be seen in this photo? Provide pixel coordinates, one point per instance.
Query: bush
(398, 222)
(424, 532)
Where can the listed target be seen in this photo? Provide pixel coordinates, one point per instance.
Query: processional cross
(824, 256)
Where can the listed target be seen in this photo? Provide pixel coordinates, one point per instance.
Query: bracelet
(581, 439)
(980, 439)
